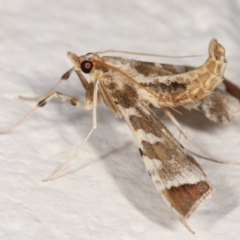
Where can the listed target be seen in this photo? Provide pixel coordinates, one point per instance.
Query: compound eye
(86, 66)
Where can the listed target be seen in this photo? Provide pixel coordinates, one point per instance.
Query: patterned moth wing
(219, 106)
(200, 89)
(175, 173)
(170, 87)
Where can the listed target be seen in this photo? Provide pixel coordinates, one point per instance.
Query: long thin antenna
(146, 54)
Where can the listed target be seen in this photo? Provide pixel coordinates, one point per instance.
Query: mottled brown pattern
(147, 123)
(149, 69)
(164, 87)
(108, 100)
(103, 69)
(153, 86)
(176, 86)
(126, 97)
(141, 123)
(165, 152)
(158, 151)
(216, 107)
(184, 197)
(112, 86)
(162, 151)
(159, 87)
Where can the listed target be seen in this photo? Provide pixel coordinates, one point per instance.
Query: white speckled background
(105, 193)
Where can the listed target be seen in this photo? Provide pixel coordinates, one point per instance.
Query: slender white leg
(64, 77)
(60, 96)
(20, 122)
(185, 134)
(94, 126)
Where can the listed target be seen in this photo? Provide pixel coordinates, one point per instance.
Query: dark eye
(86, 66)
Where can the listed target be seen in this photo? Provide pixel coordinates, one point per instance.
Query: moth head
(84, 63)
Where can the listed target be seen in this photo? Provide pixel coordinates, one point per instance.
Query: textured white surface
(105, 193)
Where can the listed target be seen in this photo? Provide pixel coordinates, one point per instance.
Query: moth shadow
(224, 200)
(216, 172)
(136, 185)
(126, 167)
(193, 119)
(124, 163)
(229, 198)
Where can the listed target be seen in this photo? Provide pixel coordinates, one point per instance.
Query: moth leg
(83, 80)
(64, 77)
(94, 126)
(185, 134)
(60, 96)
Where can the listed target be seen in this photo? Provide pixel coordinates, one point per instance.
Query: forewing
(175, 173)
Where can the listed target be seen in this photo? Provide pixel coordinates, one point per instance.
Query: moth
(128, 87)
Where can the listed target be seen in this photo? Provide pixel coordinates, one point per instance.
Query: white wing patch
(149, 137)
